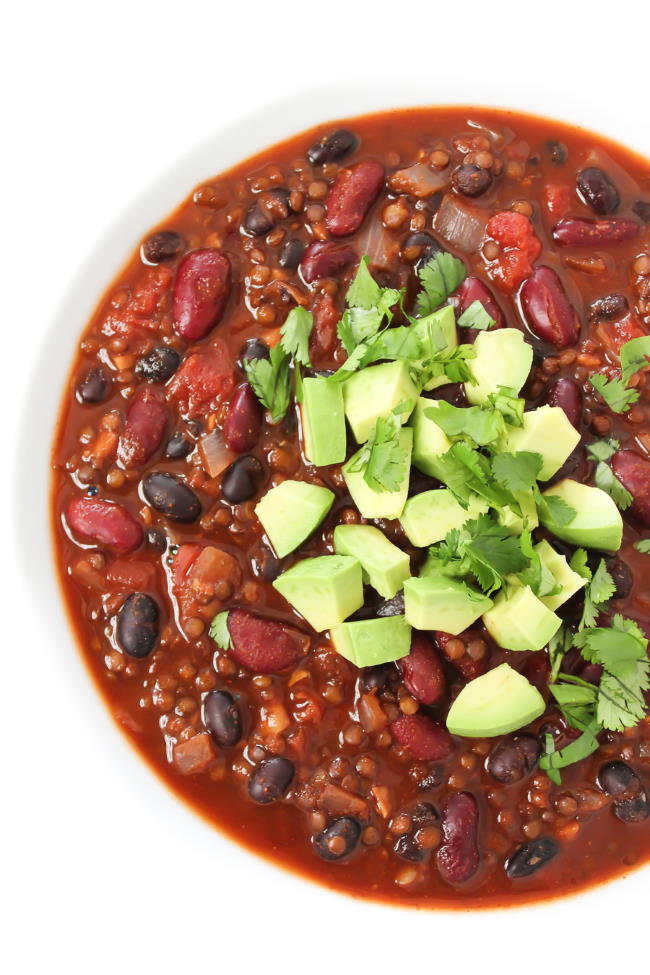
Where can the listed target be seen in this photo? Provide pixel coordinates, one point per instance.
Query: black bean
(265, 213)
(531, 857)
(424, 814)
(419, 482)
(137, 625)
(239, 482)
(611, 306)
(159, 365)
(616, 778)
(621, 573)
(222, 718)
(392, 607)
(334, 146)
(178, 447)
(433, 779)
(267, 566)
(254, 349)
(557, 151)
(170, 496)
(257, 222)
(291, 253)
(374, 678)
(471, 180)
(339, 839)
(156, 539)
(597, 190)
(423, 244)
(270, 780)
(633, 810)
(513, 758)
(642, 210)
(93, 387)
(162, 246)
(407, 849)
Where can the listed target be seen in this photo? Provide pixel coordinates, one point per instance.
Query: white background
(97, 99)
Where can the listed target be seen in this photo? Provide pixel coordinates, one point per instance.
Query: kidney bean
(616, 778)
(574, 232)
(271, 779)
(557, 151)
(513, 758)
(611, 306)
(270, 208)
(93, 387)
(597, 190)
(240, 480)
(332, 147)
(633, 471)
(422, 737)
(457, 858)
(353, 192)
(178, 447)
(137, 625)
(200, 293)
(146, 419)
(642, 210)
(241, 428)
(471, 180)
(473, 289)
(325, 259)
(262, 645)
(531, 857)
(622, 577)
(291, 253)
(169, 495)
(222, 718)
(159, 365)
(255, 349)
(422, 671)
(339, 839)
(566, 394)
(547, 310)
(164, 245)
(104, 522)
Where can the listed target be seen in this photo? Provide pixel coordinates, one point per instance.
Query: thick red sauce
(310, 713)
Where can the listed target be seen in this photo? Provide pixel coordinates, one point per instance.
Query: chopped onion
(215, 456)
(460, 225)
(380, 246)
(418, 180)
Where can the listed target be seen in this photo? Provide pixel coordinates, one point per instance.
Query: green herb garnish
(475, 316)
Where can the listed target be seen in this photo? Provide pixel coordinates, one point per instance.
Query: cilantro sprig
(271, 378)
(599, 590)
(481, 549)
(634, 356)
(475, 316)
(439, 277)
(382, 459)
(219, 631)
(604, 478)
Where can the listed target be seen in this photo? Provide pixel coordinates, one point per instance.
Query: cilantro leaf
(575, 751)
(615, 393)
(482, 549)
(509, 405)
(475, 316)
(270, 380)
(606, 480)
(519, 471)
(439, 277)
(598, 592)
(219, 631)
(634, 356)
(473, 422)
(554, 508)
(601, 450)
(382, 460)
(295, 334)
(643, 546)
(364, 292)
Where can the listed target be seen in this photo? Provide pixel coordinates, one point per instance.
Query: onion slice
(460, 225)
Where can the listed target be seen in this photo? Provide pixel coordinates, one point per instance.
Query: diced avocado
(323, 421)
(562, 573)
(435, 329)
(366, 643)
(384, 565)
(494, 704)
(520, 621)
(374, 392)
(515, 523)
(325, 590)
(503, 358)
(429, 516)
(290, 512)
(430, 441)
(597, 522)
(379, 504)
(546, 431)
(436, 602)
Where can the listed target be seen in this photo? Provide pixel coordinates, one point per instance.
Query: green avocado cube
(519, 620)
(325, 590)
(597, 522)
(516, 523)
(367, 643)
(384, 565)
(430, 516)
(564, 577)
(494, 704)
(546, 431)
(380, 504)
(430, 441)
(503, 358)
(323, 421)
(374, 392)
(438, 334)
(290, 512)
(437, 602)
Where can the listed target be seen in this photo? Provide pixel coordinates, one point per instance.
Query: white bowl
(248, 875)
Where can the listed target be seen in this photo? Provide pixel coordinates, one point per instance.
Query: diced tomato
(323, 340)
(515, 235)
(557, 197)
(197, 572)
(205, 378)
(132, 576)
(144, 304)
(613, 335)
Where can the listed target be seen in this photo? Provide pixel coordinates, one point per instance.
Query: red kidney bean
(200, 292)
(143, 431)
(633, 471)
(566, 394)
(422, 671)
(457, 858)
(473, 289)
(351, 196)
(547, 310)
(467, 666)
(422, 737)
(325, 259)
(243, 421)
(101, 521)
(597, 190)
(264, 645)
(574, 232)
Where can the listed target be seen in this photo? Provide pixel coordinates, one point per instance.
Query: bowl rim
(99, 264)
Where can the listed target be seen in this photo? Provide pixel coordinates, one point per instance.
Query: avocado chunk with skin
(434, 330)
(568, 581)
(516, 523)
(597, 522)
(367, 643)
(437, 602)
(379, 504)
(374, 392)
(430, 441)
(290, 512)
(428, 517)
(519, 620)
(494, 704)
(503, 358)
(384, 565)
(325, 590)
(546, 431)
(323, 421)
